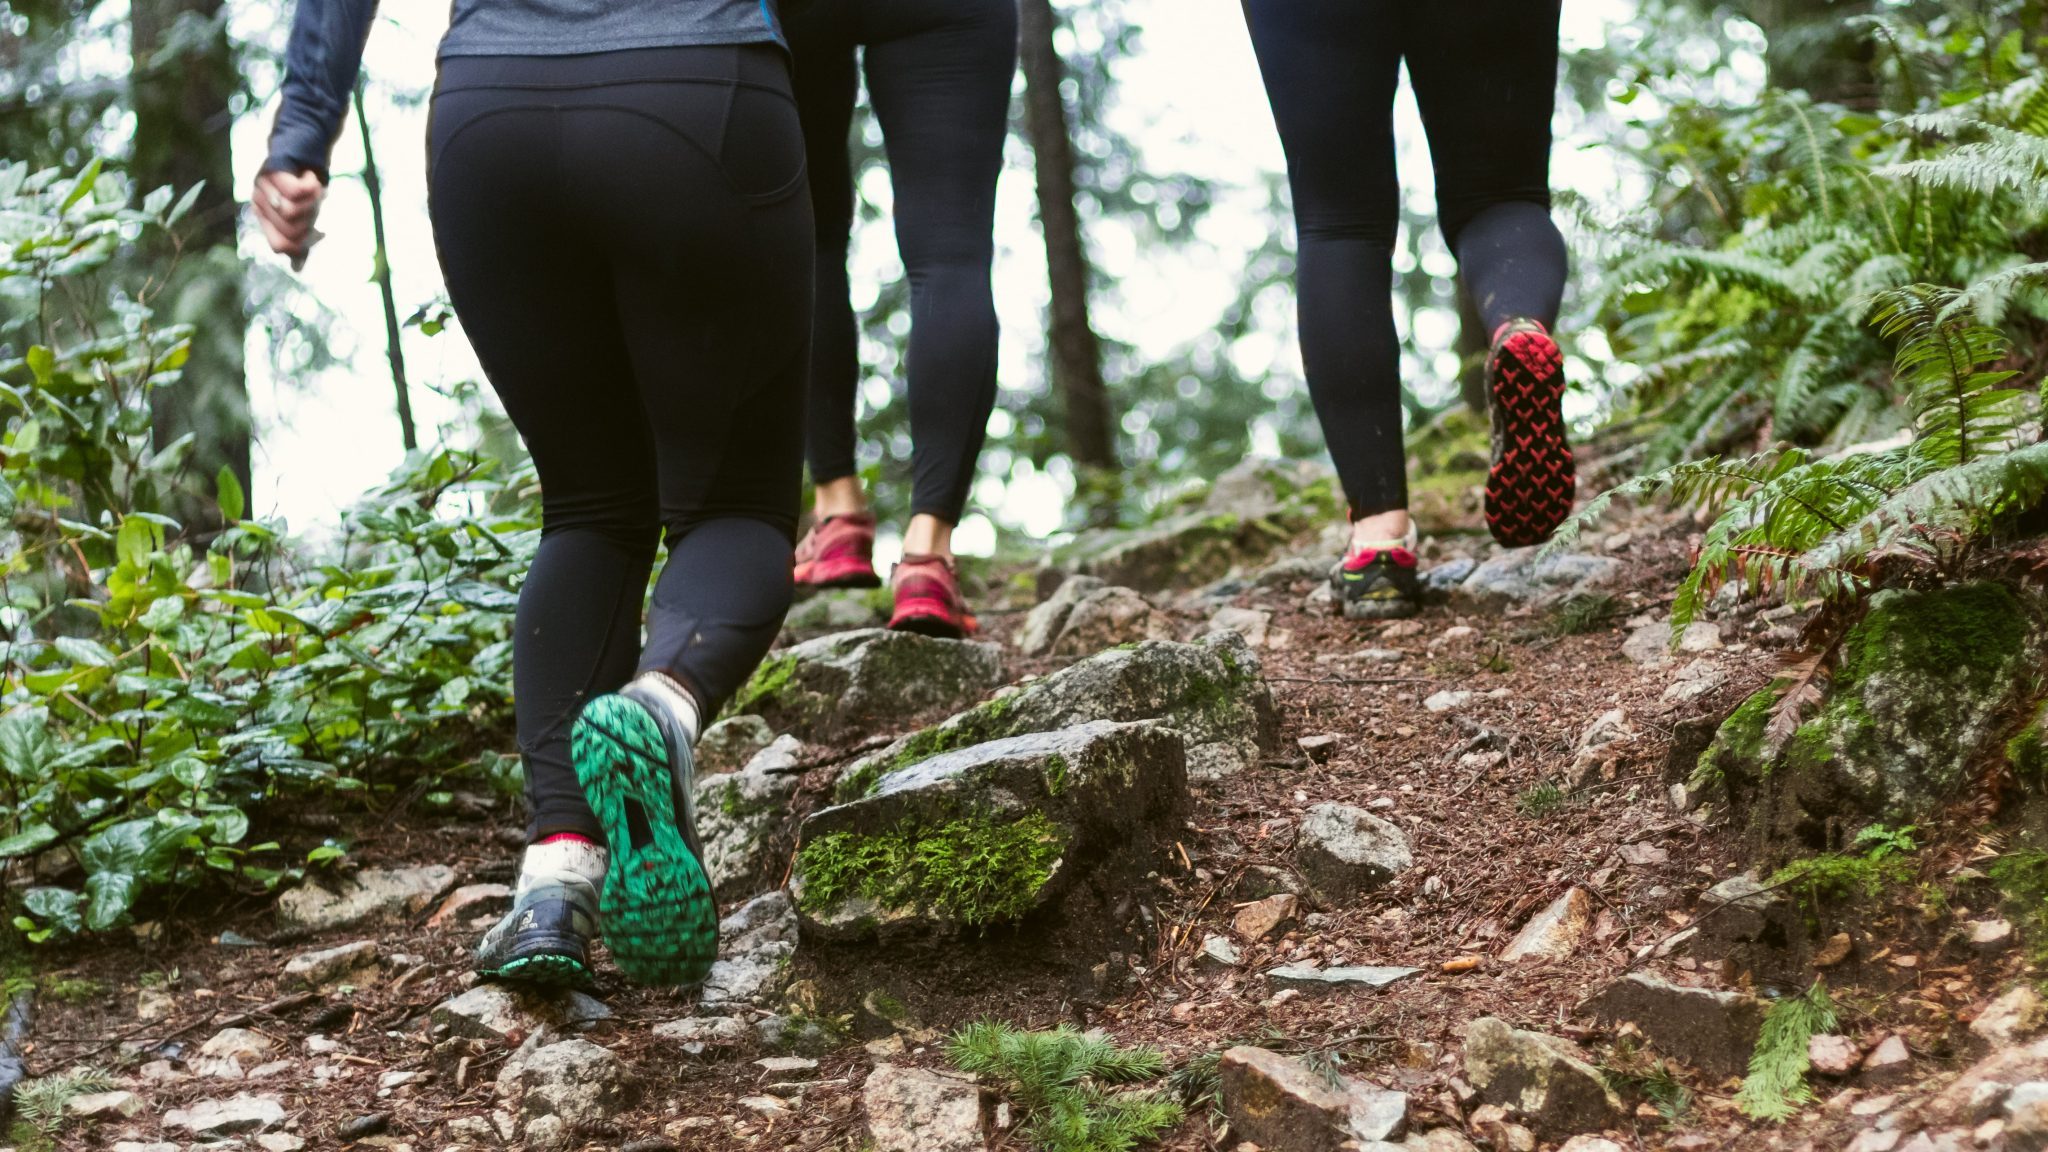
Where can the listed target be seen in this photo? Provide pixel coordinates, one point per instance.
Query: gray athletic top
(569, 27)
(326, 49)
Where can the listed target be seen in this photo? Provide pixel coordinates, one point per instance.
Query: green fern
(1791, 524)
(40, 1103)
(1062, 1080)
(1775, 1088)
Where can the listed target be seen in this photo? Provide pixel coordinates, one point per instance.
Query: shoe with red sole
(1533, 481)
(928, 599)
(838, 552)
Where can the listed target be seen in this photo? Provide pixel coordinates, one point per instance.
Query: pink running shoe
(928, 599)
(838, 552)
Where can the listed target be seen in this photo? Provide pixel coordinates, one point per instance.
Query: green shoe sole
(543, 972)
(659, 917)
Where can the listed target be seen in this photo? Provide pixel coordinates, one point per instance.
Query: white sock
(681, 708)
(560, 858)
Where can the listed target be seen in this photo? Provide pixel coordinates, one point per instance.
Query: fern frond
(1988, 299)
(1962, 502)
(1959, 410)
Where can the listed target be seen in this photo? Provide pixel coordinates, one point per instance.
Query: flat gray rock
(1346, 852)
(739, 815)
(1311, 980)
(372, 894)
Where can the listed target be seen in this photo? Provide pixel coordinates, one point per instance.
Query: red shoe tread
(1530, 489)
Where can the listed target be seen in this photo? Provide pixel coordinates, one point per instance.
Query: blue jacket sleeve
(320, 64)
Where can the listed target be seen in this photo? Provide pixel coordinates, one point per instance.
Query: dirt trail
(1481, 789)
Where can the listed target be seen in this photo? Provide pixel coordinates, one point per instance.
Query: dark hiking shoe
(545, 939)
(1533, 480)
(1378, 582)
(660, 919)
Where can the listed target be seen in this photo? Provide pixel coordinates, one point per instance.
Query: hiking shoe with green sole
(660, 919)
(545, 939)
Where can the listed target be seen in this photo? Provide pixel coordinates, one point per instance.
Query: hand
(286, 205)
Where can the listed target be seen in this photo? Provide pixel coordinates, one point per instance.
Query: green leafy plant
(160, 691)
(1065, 1083)
(1542, 800)
(1837, 527)
(1775, 1088)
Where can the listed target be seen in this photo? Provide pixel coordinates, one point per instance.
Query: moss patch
(2027, 752)
(975, 870)
(1975, 628)
(1740, 741)
(767, 682)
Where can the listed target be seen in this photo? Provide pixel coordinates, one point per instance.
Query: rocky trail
(1435, 885)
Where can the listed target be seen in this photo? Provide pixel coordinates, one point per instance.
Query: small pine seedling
(1061, 1080)
(1776, 1085)
(1543, 800)
(40, 1102)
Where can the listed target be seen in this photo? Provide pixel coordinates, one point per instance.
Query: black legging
(1485, 75)
(627, 239)
(938, 74)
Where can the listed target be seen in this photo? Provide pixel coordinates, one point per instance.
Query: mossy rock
(824, 688)
(743, 817)
(1920, 697)
(992, 834)
(1210, 692)
(1251, 513)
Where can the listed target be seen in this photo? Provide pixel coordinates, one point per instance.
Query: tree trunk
(182, 81)
(394, 350)
(1076, 354)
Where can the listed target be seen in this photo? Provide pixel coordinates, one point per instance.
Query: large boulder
(837, 684)
(739, 815)
(1249, 514)
(1546, 1081)
(992, 833)
(1922, 689)
(1210, 692)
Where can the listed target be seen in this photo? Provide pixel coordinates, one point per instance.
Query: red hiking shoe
(838, 552)
(1530, 488)
(928, 599)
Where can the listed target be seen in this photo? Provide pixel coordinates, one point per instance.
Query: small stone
(369, 1124)
(372, 894)
(509, 1014)
(1889, 1059)
(1305, 979)
(759, 937)
(697, 1035)
(1649, 646)
(471, 900)
(1346, 852)
(1268, 917)
(1554, 933)
(1834, 951)
(1543, 1078)
(785, 1065)
(574, 1081)
(890, 1047)
(1320, 748)
(1696, 680)
(313, 969)
(1592, 1144)
(1279, 1102)
(1262, 880)
(1249, 623)
(915, 1110)
(1107, 618)
(765, 1105)
(280, 1142)
(240, 1113)
(2026, 1117)
(1218, 952)
(727, 745)
(1700, 636)
(1832, 1055)
(1446, 700)
(115, 1103)
(2016, 1014)
(1991, 937)
(1042, 626)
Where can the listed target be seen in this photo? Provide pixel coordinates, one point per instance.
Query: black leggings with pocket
(627, 239)
(1485, 76)
(938, 74)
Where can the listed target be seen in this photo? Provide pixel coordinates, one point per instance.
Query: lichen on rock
(1920, 692)
(827, 687)
(1210, 692)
